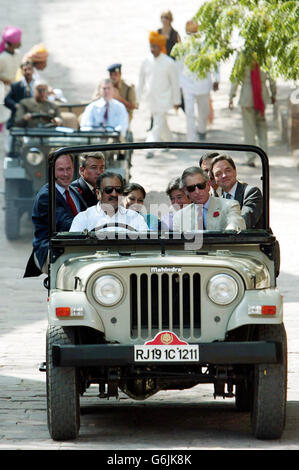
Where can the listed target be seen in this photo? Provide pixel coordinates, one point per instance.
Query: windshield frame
(156, 145)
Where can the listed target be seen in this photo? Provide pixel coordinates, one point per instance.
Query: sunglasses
(109, 189)
(165, 18)
(192, 187)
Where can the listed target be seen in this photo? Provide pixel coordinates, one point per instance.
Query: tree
(266, 31)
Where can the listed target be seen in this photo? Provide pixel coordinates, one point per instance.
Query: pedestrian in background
(197, 93)
(20, 90)
(171, 35)
(38, 55)
(10, 60)
(254, 97)
(158, 77)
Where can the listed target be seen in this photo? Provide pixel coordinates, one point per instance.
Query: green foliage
(263, 31)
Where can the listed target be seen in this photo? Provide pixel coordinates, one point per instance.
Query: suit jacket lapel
(79, 196)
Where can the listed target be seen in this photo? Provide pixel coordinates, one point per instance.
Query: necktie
(106, 113)
(228, 196)
(28, 90)
(70, 202)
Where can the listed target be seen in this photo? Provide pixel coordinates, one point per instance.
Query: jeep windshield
(157, 203)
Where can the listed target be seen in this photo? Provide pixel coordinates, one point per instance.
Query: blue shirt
(94, 116)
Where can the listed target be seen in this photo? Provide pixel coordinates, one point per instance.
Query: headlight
(222, 289)
(108, 290)
(34, 156)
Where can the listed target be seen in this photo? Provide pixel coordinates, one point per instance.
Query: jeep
(145, 312)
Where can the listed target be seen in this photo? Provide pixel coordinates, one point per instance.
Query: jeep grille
(165, 302)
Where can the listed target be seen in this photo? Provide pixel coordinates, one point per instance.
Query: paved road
(84, 37)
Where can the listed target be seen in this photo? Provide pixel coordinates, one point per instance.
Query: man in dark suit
(68, 204)
(92, 165)
(19, 90)
(249, 197)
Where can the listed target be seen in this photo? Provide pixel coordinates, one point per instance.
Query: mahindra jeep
(138, 313)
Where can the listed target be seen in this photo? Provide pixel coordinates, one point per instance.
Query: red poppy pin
(216, 214)
(79, 190)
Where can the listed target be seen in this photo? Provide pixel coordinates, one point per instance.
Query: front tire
(243, 396)
(270, 388)
(63, 406)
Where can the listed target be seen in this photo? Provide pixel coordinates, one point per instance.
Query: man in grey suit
(206, 212)
(253, 117)
(249, 197)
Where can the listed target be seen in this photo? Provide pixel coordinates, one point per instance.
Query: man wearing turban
(158, 78)
(10, 61)
(38, 55)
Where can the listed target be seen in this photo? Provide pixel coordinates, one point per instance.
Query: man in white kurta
(196, 92)
(159, 80)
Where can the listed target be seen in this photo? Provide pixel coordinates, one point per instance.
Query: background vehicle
(161, 312)
(25, 165)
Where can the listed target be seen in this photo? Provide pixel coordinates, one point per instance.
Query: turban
(158, 40)
(37, 53)
(10, 34)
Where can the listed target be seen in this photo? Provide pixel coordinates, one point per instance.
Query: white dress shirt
(95, 217)
(93, 116)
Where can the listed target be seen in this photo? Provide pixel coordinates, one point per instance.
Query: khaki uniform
(30, 105)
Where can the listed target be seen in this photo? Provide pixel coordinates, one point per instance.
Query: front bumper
(117, 355)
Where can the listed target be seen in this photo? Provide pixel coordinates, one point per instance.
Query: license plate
(166, 353)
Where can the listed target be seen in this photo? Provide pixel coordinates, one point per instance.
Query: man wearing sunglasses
(206, 212)
(109, 188)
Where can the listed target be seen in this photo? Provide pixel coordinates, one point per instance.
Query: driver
(106, 112)
(39, 105)
(109, 188)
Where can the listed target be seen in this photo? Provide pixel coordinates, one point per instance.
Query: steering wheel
(49, 117)
(116, 224)
(42, 115)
